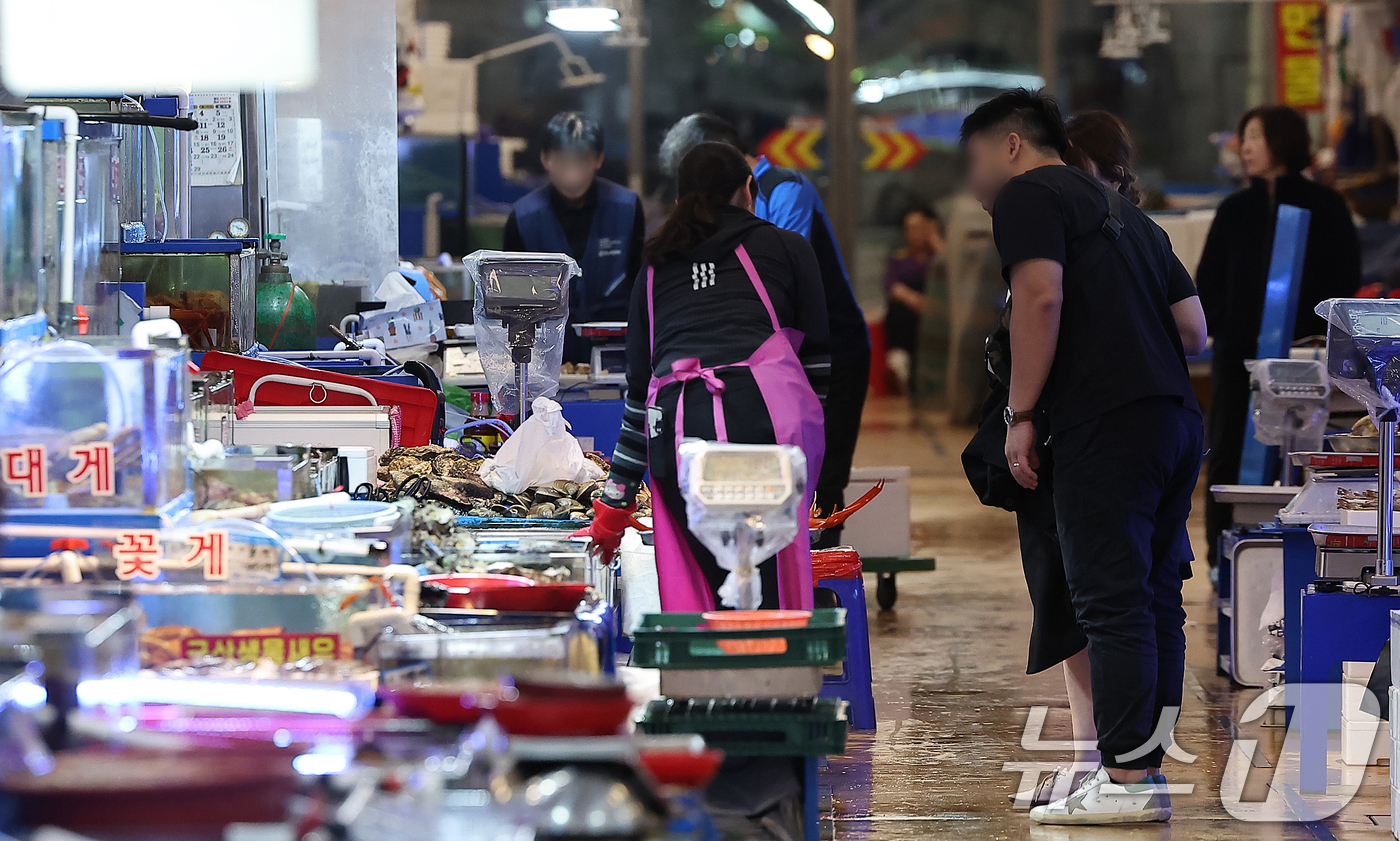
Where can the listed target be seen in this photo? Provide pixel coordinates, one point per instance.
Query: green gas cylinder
(286, 317)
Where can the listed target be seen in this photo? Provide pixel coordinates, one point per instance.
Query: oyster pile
(558, 501)
(449, 475)
(452, 478)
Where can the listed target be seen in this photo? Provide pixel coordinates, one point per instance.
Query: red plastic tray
(417, 406)
(542, 598)
(439, 703)
(470, 590)
(682, 768)
(565, 715)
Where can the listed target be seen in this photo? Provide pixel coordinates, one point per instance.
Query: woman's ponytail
(709, 176)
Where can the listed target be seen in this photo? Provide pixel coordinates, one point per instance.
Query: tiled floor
(953, 697)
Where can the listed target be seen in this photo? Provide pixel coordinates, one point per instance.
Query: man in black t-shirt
(1098, 302)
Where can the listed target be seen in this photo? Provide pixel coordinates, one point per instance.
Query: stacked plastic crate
(1394, 731)
(749, 692)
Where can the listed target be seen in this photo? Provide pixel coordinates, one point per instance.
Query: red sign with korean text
(280, 648)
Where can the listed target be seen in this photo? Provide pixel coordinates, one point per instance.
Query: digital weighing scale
(743, 502)
(524, 292)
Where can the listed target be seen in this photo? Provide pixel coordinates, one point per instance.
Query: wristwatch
(1013, 417)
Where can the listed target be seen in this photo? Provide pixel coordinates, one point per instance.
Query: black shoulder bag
(984, 458)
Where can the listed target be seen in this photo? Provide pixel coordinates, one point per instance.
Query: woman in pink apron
(726, 341)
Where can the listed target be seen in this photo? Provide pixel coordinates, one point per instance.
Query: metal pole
(1385, 507)
(522, 381)
(843, 195)
(1049, 42)
(636, 107)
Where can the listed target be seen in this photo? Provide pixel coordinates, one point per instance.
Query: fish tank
(23, 289)
(208, 284)
(96, 424)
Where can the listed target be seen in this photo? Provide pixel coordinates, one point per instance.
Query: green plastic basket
(682, 641)
(802, 727)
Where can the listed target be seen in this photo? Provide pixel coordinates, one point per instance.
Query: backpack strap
(1112, 224)
(771, 178)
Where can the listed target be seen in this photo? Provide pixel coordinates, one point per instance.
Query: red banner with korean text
(279, 648)
(1298, 50)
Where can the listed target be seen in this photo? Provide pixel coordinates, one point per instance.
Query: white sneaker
(1099, 800)
(1045, 790)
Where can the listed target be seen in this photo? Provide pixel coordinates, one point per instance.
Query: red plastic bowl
(440, 703)
(682, 767)
(578, 715)
(567, 685)
(542, 598)
(467, 591)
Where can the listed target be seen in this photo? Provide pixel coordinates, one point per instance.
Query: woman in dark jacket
(1275, 147)
(727, 341)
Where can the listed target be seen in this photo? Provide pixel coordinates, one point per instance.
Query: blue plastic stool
(854, 682)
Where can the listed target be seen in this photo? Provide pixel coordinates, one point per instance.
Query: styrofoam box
(1366, 744)
(1394, 648)
(881, 528)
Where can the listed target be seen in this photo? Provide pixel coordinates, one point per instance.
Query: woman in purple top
(906, 274)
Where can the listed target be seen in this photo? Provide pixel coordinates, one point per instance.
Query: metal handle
(311, 384)
(1385, 507)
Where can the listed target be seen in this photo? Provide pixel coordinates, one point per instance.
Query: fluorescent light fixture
(338, 701)
(815, 14)
(819, 45)
(101, 46)
(872, 91)
(26, 694)
(320, 764)
(583, 19)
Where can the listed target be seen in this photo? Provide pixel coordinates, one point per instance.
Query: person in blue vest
(598, 223)
(790, 200)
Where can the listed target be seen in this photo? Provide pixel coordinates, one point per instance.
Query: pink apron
(797, 419)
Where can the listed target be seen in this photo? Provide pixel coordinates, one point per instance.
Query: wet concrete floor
(953, 699)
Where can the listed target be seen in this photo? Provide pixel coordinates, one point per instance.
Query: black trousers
(1123, 484)
(845, 401)
(1229, 412)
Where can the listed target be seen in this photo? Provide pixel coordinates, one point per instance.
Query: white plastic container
(641, 587)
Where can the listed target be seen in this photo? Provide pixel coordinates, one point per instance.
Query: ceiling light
(871, 91)
(583, 19)
(819, 45)
(815, 14)
(114, 47)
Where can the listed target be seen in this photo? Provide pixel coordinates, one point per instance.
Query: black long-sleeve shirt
(1234, 265)
(706, 308)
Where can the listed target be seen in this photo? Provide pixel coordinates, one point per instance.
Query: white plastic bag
(541, 451)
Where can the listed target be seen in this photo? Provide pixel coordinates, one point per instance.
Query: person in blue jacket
(598, 223)
(790, 200)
